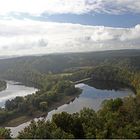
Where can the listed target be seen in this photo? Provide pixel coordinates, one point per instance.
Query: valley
(57, 89)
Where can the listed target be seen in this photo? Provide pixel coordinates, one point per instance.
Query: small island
(3, 85)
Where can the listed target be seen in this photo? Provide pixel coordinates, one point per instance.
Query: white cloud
(101, 34)
(37, 7)
(131, 34)
(34, 37)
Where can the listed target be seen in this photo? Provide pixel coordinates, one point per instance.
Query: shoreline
(23, 118)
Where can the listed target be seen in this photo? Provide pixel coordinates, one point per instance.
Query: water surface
(90, 97)
(14, 89)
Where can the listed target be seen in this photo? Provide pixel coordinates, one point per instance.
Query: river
(90, 97)
(15, 89)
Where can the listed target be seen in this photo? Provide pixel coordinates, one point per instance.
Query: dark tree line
(117, 119)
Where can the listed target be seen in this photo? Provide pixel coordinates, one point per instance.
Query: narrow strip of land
(83, 80)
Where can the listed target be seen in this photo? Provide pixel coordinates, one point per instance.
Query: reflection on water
(90, 97)
(98, 84)
(14, 89)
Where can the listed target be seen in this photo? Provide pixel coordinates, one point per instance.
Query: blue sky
(126, 20)
(50, 26)
(112, 13)
(95, 19)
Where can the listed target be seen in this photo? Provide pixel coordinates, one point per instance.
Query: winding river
(90, 97)
(14, 89)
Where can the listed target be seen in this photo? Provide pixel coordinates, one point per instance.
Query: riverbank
(90, 98)
(22, 118)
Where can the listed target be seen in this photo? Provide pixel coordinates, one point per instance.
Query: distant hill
(66, 62)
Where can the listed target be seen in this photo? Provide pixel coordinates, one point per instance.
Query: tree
(90, 122)
(43, 130)
(43, 106)
(5, 133)
(69, 123)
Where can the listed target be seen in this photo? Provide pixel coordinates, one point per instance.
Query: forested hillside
(56, 63)
(31, 69)
(55, 76)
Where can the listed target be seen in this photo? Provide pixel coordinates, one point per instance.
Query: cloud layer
(34, 37)
(38, 7)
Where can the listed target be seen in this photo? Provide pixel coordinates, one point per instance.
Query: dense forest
(67, 62)
(55, 94)
(117, 119)
(55, 76)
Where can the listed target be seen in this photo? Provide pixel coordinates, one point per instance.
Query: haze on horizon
(53, 26)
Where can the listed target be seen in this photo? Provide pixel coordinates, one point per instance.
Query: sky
(30, 27)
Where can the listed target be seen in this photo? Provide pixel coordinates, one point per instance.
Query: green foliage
(69, 123)
(4, 133)
(21, 68)
(43, 130)
(114, 120)
(43, 106)
(41, 101)
(90, 122)
(117, 119)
